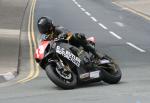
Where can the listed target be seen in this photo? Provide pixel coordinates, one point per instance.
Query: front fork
(61, 65)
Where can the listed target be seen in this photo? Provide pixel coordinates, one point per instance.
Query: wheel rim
(63, 74)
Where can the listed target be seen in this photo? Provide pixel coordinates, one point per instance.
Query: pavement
(11, 16)
(139, 6)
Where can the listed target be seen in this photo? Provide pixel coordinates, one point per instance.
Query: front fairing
(76, 58)
(40, 51)
(64, 52)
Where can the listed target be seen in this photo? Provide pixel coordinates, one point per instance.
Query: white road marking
(82, 9)
(87, 13)
(76, 3)
(79, 5)
(119, 24)
(114, 34)
(103, 26)
(93, 18)
(134, 46)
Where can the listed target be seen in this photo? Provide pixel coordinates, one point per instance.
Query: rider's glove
(44, 37)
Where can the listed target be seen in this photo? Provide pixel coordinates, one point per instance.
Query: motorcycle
(68, 66)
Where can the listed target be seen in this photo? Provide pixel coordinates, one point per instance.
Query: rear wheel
(63, 79)
(111, 73)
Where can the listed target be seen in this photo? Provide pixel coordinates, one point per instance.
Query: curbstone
(7, 76)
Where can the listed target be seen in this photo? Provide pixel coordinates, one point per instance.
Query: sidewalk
(140, 6)
(11, 14)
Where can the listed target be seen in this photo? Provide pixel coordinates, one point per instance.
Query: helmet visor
(43, 29)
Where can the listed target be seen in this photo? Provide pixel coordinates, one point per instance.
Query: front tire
(60, 81)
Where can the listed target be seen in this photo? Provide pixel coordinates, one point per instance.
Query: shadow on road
(90, 85)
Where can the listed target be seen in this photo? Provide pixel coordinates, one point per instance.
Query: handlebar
(60, 40)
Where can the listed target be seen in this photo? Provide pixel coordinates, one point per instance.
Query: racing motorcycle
(68, 66)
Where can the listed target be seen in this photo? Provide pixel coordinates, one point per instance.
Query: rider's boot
(100, 59)
(89, 48)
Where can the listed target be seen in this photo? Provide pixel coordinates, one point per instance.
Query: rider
(51, 32)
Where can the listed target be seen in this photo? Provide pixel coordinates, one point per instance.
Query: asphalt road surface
(119, 33)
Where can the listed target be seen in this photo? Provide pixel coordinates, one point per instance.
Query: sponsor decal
(68, 55)
(85, 75)
(95, 74)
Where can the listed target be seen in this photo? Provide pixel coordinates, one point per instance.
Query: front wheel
(64, 80)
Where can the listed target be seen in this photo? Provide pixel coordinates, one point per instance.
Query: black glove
(80, 36)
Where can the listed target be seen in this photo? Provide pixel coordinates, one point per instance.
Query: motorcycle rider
(50, 32)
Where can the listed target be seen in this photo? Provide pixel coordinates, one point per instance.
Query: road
(119, 33)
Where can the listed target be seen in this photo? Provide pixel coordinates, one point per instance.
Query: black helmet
(45, 25)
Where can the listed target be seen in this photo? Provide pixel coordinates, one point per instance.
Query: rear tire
(56, 79)
(112, 78)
